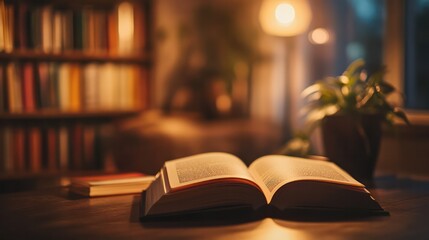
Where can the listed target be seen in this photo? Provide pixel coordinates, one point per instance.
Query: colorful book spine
(28, 93)
(29, 87)
(51, 148)
(35, 149)
(3, 90)
(32, 86)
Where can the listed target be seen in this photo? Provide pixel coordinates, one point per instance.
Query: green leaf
(376, 78)
(354, 92)
(354, 67)
(314, 88)
(385, 88)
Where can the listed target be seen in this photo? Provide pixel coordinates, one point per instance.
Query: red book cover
(28, 100)
(19, 149)
(52, 152)
(112, 32)
(64, 148)
(35, 149)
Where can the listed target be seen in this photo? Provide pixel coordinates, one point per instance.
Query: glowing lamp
(285, 17)
(319, 36)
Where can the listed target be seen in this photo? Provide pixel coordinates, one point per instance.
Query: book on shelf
(211, 181)
(14, 88)
(29, 99)
(50, 144)
(51, 148)
(30, 87)
(34, 153)
(51, 28)
(3, 100)
(7, 27)
(111, 184)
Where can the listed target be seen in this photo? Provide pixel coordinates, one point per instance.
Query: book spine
(57, 32)
(3, 89)
(14, 88)
(3, 25)
(29, 100)
(78, 30)
(52, 148)
(63, 148)
(64, 87)
(112, 32)
(67, 30)
(7, 149)
(77, 146)
(139, 34)
(2, 150)
(35, 85)
(36, 29)
(90, 81)
(53, 86)
(19, 149)
(49, 29)
(46, 28)
(89, 147)
(75, 87)
(125, 28)
(35, 149)
(9, 30)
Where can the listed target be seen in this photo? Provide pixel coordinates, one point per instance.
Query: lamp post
(285, 18)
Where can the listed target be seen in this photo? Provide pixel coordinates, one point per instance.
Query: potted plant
(350, 110)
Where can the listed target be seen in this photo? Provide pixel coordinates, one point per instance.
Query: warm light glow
(285, 17)
(223, 103)
(272, 229)
(285, 13)
(319, 36)
(125, 27)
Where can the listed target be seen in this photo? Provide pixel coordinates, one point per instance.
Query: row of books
(34, 149)
(28, 87)
(52, 29)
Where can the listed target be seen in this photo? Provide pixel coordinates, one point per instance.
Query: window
(417, 54)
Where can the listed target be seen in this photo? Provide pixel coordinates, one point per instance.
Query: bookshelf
(69, 69)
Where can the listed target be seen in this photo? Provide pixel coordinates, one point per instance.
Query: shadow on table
(238, 215)
(213, 217)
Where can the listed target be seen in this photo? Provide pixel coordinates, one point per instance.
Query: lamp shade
(285, 17)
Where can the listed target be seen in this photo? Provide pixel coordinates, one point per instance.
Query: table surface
(54, 214)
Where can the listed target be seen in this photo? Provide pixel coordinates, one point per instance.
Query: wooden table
(54, 214)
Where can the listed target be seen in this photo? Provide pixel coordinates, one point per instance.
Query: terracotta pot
(353, 142)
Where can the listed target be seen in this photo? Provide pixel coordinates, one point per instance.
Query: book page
(275, 170)
(205, 167)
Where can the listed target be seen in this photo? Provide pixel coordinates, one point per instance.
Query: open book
(213, 180)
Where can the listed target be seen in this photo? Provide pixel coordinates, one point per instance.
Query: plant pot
(352, 142)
